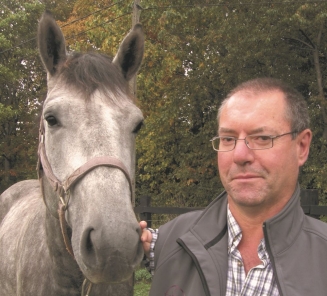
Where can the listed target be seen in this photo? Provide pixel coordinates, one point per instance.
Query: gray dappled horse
(86, 164)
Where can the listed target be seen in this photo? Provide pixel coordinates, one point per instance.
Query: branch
(306, 37)
(3, 155)
(300, 41)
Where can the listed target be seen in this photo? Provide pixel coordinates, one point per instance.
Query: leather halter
(44, 167)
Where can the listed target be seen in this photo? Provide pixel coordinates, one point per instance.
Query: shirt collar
(235, 236)
(234, 231)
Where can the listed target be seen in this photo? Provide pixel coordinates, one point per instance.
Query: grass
(141, 289)
(142, 282)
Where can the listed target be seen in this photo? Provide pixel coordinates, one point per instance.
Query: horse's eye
(51, 120)
(138, 127)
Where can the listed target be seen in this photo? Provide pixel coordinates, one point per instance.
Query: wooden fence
(309, 203)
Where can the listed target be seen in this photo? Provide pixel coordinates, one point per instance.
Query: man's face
(259, 179)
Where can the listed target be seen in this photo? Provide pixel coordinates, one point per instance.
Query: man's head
(296, 111)
(263, 180)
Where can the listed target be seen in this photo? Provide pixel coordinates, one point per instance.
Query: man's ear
(303, 141)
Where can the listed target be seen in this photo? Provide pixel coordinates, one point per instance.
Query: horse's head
(87, 115)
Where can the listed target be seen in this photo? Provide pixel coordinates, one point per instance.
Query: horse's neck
(14, 193)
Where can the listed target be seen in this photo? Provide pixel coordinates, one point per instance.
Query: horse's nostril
(87, 245)
(88, 242)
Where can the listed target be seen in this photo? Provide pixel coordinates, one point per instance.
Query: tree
(20, 84)
(22, 88)
(195, 53)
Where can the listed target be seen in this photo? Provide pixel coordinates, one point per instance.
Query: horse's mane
(88, 72)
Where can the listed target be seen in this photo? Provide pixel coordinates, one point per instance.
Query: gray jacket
(191, 252)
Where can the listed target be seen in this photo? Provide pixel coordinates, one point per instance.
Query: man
(254, 239)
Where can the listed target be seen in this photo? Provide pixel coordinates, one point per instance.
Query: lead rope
(87, 285)
(63, 225)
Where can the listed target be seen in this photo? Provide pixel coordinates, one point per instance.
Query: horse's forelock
(92, 71)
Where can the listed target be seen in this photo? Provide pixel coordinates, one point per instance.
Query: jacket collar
(282, 229)
(213, 220)
(206, 243)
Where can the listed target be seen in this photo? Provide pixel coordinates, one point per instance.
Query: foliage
(107, 22)
(195, 53)
(19, 87)
(142, 274)
(141, 289)
(142, 282)
(23, 86)
(60, 8)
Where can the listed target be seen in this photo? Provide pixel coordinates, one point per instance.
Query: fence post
(309, 197)
(145, 201)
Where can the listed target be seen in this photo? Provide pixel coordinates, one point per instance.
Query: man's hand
(146, 238)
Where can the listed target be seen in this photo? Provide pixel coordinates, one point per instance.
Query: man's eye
(264, 138)
(227, 140)
(261, 138)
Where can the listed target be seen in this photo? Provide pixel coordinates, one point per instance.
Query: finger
(146, 236)
(143, 224)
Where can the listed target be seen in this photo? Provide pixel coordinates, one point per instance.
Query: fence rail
(309, 203)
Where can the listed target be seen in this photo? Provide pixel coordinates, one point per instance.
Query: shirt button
(240, 263)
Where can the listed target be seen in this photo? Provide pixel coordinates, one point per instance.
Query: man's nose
(242, 153)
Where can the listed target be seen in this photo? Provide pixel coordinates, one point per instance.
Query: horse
(73, 231)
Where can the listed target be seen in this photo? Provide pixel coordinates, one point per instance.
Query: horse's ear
(130, 53)
(51, 43)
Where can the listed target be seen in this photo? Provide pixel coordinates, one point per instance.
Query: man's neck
(252, 234)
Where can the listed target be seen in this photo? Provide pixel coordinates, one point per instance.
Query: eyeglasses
(253, 142)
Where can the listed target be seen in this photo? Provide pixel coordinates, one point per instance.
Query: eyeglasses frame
(235, 140)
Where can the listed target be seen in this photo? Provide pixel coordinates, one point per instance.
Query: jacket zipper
(272, 259)
(198, 267)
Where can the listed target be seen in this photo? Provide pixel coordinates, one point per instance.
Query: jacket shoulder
(315, 227)
(170, 232)
(178, 226)
(203, 222)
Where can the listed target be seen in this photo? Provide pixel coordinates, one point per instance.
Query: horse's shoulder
(16, 192)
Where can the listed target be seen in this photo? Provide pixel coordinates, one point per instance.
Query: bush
(142, 274)
(142, 282)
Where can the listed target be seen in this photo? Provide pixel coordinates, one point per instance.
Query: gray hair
(296, 107)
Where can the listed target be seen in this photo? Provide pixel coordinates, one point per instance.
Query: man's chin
(247, 197)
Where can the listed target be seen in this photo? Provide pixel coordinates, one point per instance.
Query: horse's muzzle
(106, 258)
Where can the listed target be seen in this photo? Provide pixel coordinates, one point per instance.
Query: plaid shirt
(149, 262)
(260, 280)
